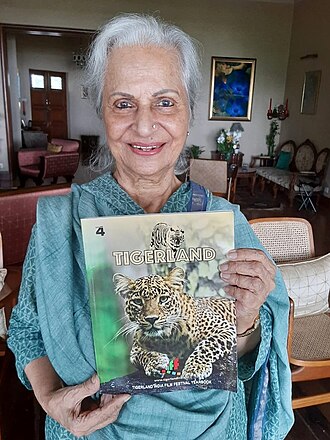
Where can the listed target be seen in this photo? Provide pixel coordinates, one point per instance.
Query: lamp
(79, 58)
(280, 112)
(236, 129)
(236, 126)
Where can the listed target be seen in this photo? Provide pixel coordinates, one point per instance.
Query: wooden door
(48, 102)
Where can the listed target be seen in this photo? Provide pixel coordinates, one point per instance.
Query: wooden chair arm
(59, 164)
(290, 332)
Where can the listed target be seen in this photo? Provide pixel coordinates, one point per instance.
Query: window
(37, 81)
(56, 82)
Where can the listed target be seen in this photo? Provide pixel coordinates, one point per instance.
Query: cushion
(54, 148)
(284, 160)
(308, 284)
(69, 145)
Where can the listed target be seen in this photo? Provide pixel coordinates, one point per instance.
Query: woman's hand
(82, 417)
(250, 277)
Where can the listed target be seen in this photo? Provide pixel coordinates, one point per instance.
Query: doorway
(14, 79)
(48, 102)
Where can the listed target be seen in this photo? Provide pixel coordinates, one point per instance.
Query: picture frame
(231, 88)
(310, 92)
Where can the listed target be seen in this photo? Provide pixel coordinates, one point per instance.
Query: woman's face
(145, 110)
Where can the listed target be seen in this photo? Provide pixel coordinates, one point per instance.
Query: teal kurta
(52, 318)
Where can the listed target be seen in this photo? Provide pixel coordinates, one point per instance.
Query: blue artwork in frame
(232, 83)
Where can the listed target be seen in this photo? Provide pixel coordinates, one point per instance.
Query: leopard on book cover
(161, 319)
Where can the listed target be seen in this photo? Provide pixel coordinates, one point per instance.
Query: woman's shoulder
(220, 204)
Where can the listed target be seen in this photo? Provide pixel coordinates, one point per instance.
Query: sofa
(294, 165)
(59, 159)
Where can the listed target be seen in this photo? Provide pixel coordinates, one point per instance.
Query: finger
(249, 268)
(254, 285)
(245, 300)
(247, 254)
(101, 417)
(77, 393)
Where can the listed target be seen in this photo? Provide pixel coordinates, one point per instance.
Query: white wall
(234, 28)
(55, 54)
(311, 34)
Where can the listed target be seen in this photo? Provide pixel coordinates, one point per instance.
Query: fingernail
(232, 255)
(224, 267)
(225, 276)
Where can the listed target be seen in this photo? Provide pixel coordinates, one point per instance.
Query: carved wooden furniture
(40, 164)
(290, 242)
(305, 164)
(262, 161)
(250, 174)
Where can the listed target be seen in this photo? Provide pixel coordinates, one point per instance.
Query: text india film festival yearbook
(161, 320)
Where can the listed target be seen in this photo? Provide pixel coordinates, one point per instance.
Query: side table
(264, 161)
(250, 174)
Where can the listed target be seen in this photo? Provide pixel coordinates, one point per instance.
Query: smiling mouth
(145, 148)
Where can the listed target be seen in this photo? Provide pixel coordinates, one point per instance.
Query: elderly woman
(143, 78)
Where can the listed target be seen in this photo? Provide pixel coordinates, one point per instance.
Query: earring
(188, 133)
(154, 126)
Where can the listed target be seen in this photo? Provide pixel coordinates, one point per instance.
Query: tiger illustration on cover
(161, 320)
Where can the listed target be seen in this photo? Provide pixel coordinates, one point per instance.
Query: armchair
(40, 164)
(290, 242)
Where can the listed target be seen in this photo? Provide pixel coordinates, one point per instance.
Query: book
(160, 317)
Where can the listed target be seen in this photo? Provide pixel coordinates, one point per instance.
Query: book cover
(161, 319)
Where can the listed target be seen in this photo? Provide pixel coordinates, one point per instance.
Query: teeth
(139, 147)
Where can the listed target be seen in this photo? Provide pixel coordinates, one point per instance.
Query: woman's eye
(165, 103)
(123, 105)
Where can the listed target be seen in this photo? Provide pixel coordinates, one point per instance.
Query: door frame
(5, 28)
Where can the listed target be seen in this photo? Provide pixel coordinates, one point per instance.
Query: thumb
(87, 388)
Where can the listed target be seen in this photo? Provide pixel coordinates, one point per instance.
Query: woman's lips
(146, 149)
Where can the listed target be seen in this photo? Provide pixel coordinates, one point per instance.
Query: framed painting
(232, 83)
(310, 92)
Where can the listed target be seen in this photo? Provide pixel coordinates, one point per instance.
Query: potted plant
(195, 151)
(270, 137)
(227, 143)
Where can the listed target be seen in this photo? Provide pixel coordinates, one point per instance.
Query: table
(264, 161)
(248, 173)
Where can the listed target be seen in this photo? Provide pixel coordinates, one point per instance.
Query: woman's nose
(144, 122)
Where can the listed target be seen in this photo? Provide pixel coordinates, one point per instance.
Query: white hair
(139, 30)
